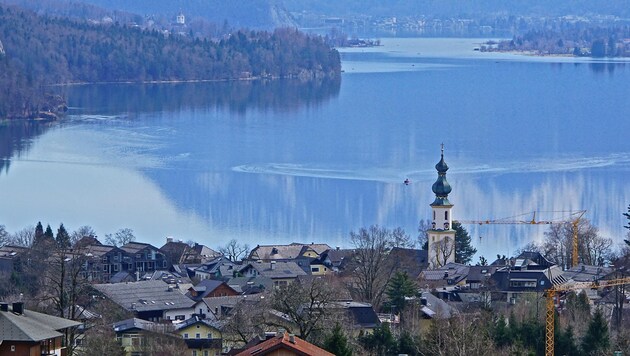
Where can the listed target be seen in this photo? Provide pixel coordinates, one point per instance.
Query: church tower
(441, 236)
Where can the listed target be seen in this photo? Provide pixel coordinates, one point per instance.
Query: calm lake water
(282, 161)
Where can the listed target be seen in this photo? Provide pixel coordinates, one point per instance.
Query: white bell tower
(441, 236)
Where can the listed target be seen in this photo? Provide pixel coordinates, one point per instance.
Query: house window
(433, 214)
(280, 284)
(138, 256)
(523, 283)
(164, 263)
(314, 269)
(194, 353)
(205, 353)
(180, 317)
(115, 268)
(186, 336)
(197, 336)
(116, 258)
(105, 268)
(104, 259)
(209, 335)
(13, 348)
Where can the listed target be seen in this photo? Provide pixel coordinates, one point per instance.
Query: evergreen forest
(37, 52)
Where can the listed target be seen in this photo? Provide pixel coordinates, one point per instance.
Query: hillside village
(381, 297)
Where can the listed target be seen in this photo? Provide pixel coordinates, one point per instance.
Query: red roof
(285, 342)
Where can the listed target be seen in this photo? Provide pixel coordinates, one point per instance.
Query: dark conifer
(337, 343)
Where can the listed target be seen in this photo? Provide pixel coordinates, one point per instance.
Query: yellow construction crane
(572, 216)
(551, 293)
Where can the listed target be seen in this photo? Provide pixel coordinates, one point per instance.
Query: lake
(283, 161)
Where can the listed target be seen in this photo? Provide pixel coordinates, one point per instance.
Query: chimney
(338, 248)
(18, 308)
(4, 307)
(292, 338)
(169, 239)
(273, 265)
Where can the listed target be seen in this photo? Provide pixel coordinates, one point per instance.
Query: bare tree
(308, 303)
(370, 268)
(81, 232)
(246, 320)
(24, 237)
(592, 248)
(234, 251)
(120, 238)
(4, 236)
(64, 286)
(459, 335)
(444, 250)
(423, 233)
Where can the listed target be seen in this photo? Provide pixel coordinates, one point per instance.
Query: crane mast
(550, 306)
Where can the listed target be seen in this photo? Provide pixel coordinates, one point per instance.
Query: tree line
(571, 40)
(40, 51)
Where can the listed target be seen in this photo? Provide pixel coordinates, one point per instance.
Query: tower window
(433, 214)
(446, 215)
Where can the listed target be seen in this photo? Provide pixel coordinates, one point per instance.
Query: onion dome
(441, 188)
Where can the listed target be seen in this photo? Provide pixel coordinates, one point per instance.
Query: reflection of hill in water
(16, 137)
(236, 96)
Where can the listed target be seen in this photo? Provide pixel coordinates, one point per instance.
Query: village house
(202, 337)
(178, 252)
(209, 288)
(281, 273)
(217, 268)
(152, 300)
(284, 344)
(136, 335)
(102, 262)
(26, 332)
(142, 257)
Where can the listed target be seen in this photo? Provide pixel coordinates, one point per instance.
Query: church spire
(441, 188)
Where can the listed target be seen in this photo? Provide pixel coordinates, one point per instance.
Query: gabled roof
(410, 260)
(455, 272)
(197, 320)
(279, 269)
(362, 314)
(122, 276)
(31, 326)
(205, 251)
(480, 273)
(586, 273)
(206, 287)
(283, 252)
(134, 324)
(98, 250)
(145, 296)
(436, 307)
(11, 251)
(285, 342)
(134, 247)
(250, 285)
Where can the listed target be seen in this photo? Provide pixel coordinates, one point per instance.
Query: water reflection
(16, 137)
(235, 96)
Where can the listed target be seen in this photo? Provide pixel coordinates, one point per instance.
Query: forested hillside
(40, 51)
(461, 8)
(252, 14)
